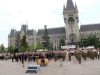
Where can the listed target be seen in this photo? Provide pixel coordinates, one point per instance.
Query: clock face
(71, 21)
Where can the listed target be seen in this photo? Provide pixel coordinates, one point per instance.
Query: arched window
(71, 21)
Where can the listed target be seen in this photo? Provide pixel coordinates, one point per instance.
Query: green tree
(33, 47)
(39, 46)
(2, 48)
(23, 49)
(91, 40)
(24, 44)
(18, 41)
(46, 42)
(10, 49)
(83, 42)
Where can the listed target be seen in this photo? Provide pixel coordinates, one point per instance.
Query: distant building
(30, 34)
(55, 34)
(70, 33)
(90, 29)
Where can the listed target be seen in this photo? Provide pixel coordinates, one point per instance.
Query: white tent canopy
(41, 50)
(68, 47)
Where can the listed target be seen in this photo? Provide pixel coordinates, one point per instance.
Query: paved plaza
(89, 67)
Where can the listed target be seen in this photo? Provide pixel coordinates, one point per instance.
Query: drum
(46, 61)
(39, 61)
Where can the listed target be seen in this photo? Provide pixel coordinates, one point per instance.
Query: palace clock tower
(71, 20)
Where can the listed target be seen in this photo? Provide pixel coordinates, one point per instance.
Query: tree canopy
(2, 48)
(18, 41)
(10, 49)
(24, 45)
(46, 42)
(91, 40)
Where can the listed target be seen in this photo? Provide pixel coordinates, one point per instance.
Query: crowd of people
(56, 55)
(84, 54)
(5, 56)
(33, 56)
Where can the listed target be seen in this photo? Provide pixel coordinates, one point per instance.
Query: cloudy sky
(37, 13)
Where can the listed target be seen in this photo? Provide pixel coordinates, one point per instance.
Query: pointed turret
(24, 28)
(76, 7)
(70, 5)
(63, 6)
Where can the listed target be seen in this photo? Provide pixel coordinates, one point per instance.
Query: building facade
(30, 36)
(70, 33)
(90, 29)
(55, 34)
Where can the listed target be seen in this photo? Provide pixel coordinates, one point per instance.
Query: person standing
(98, 54)
(22, 59)
(78, 55)
(69, 55)
(12, 57)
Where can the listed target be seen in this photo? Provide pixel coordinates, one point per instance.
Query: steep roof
(70, 5)
(31, 32)
(17, 33)
(76, 8)
(12, 33)
(52, 31)
(24, 28)
(90, 27)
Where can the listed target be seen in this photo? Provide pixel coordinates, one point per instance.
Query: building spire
(70, 5)
(76, 7)
(63, 6)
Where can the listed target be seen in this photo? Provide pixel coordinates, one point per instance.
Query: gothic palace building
(70, 33)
